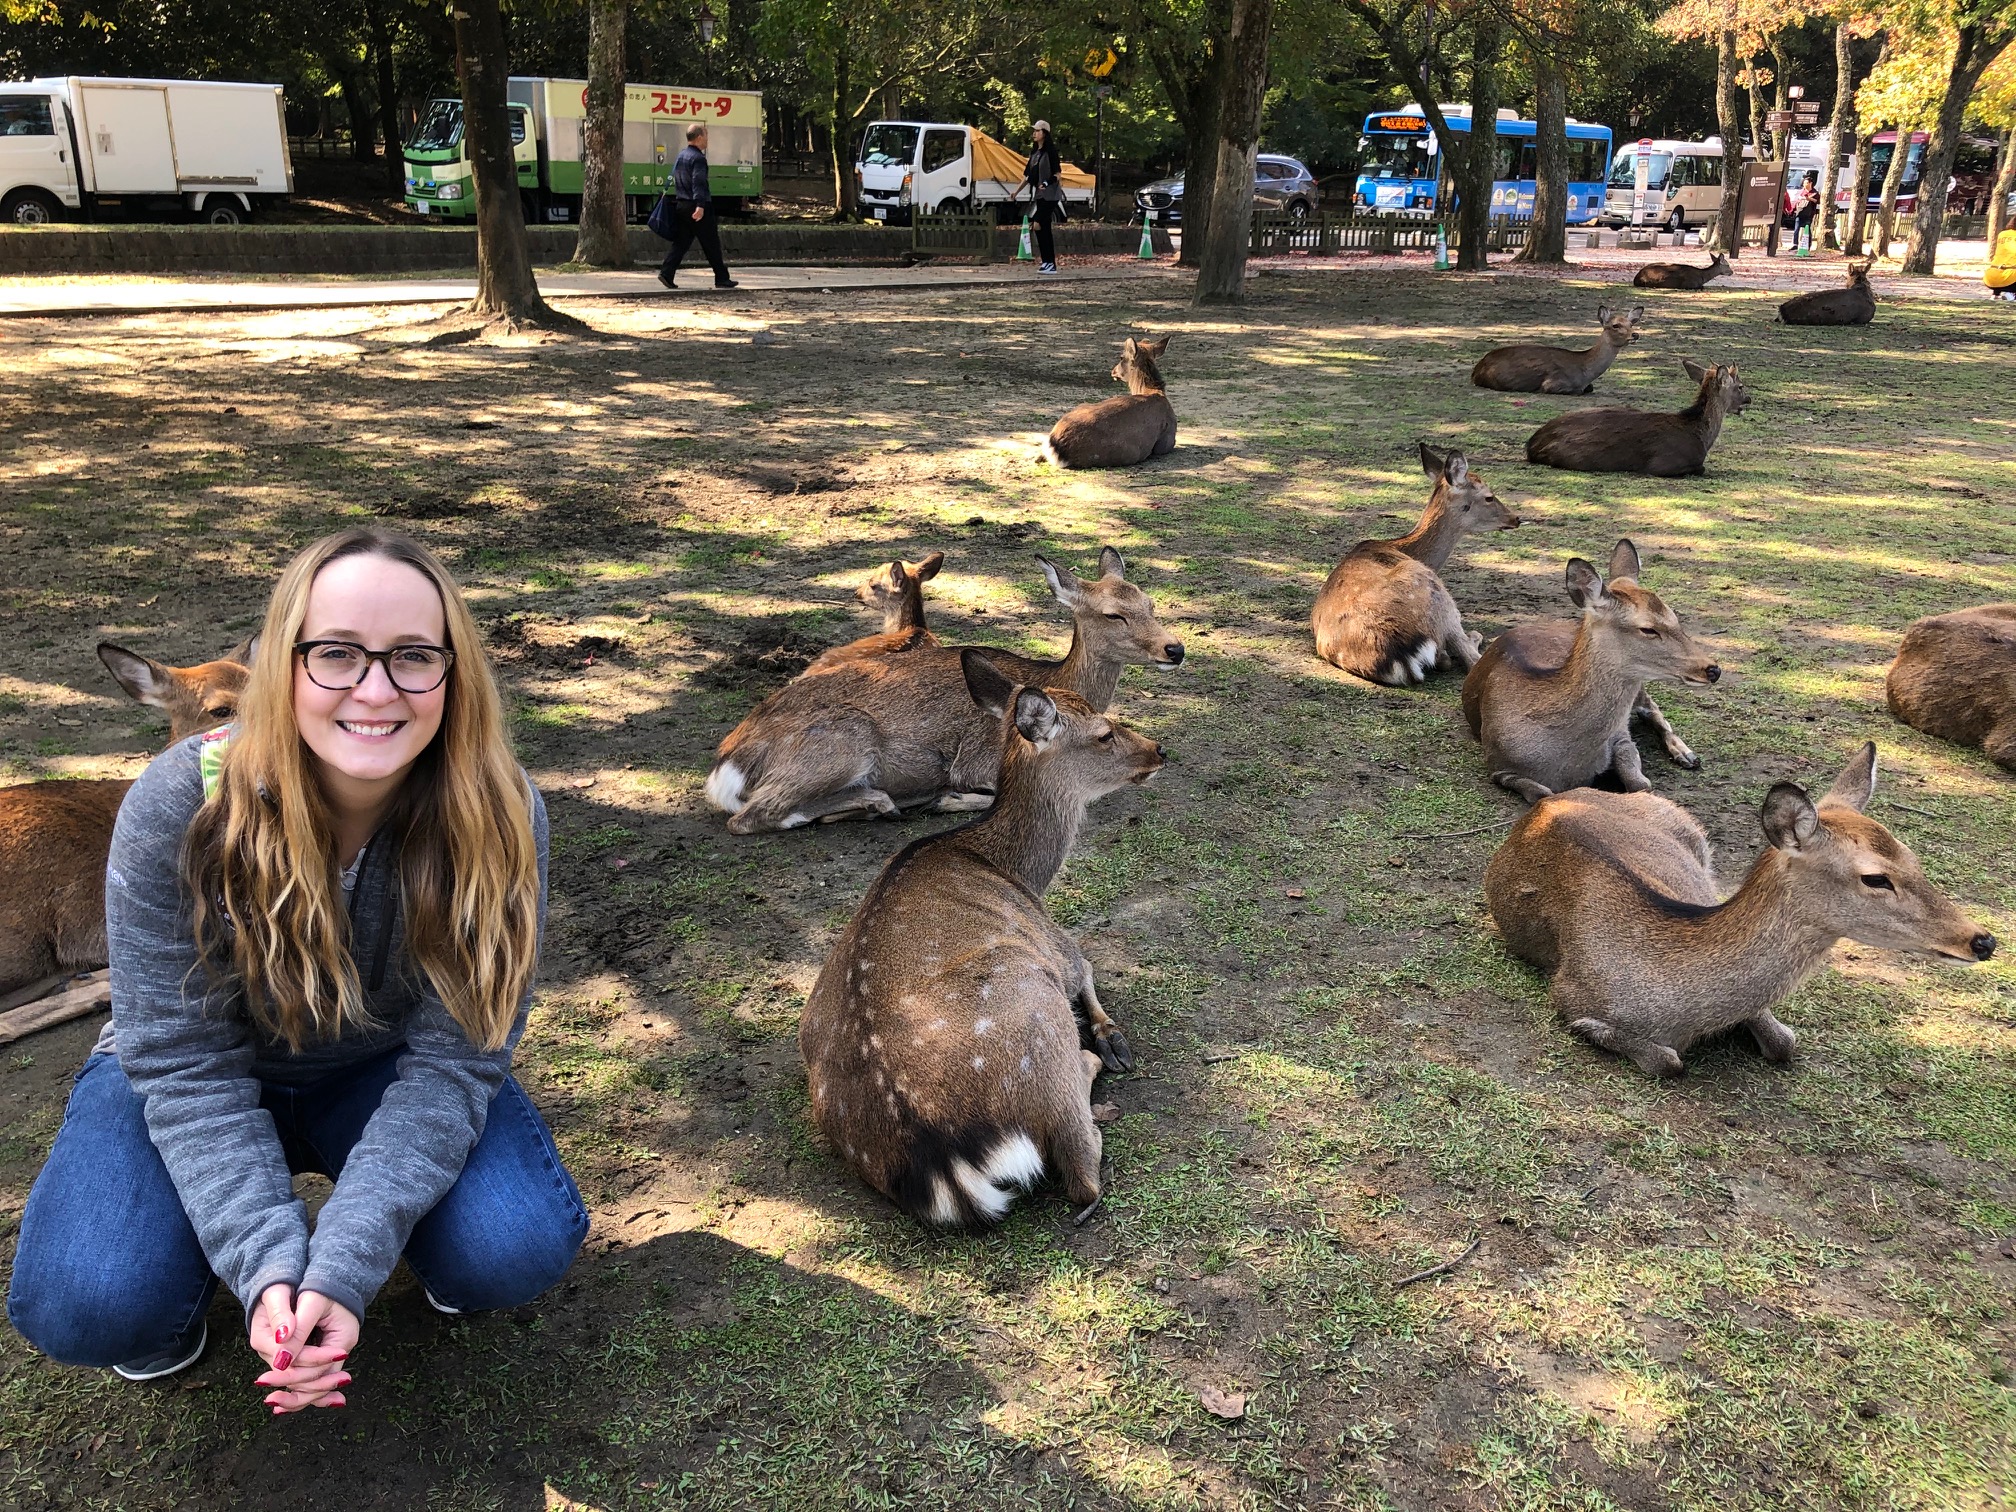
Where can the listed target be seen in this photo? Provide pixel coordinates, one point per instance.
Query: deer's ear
(893, 577)
(1155, 348)
(1693, 369)
(1063, 586)
(987, 684)
(1857, 781)
(1111, 563)
(145, 681)
(1432, 461)
(1624, 561)
(1602, 314)
(1456, 468)
(1585, 584)
(1637, 313)
(1790, 821)
(1037, 717)
(928, 568)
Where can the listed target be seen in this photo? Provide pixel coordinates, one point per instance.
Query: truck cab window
(440, 128)
(942, 149)
(25, 115)
(519, 121)
(888, 145)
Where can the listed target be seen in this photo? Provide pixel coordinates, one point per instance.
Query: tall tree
(1186, 47)
(1221, 272)
(1840, 126)
(604, 241)
(1727, 233)
(1547, 238)
(505, 287)
(1983, 31)
(1481, 161)
(379, 26)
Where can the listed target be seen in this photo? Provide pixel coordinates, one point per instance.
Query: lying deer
(1385, 614)
(1615, 438)
(1955, 677)
(1553, 702)
(1613, 895)
(1124, 431)
(942, 1040)
(55, 835)
(1853, 304)
(1681, 275)
(892, 734)
(897, 591)
(1559, 370)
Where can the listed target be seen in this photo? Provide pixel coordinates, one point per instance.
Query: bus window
(1708, 172)
(1392, 157)
(1529, 161)
(1508, 158)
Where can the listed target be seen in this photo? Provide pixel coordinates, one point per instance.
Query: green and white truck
(546, 121)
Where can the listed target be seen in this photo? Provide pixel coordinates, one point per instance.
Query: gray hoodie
(191, 1052)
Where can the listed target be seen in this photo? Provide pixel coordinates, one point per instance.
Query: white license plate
(422, 206)
(881, 213)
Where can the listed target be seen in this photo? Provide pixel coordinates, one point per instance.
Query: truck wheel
(29, 207)
(952, 207)
(223, 212)
(1677, 221)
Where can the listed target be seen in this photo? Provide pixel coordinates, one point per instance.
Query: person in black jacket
(693, 212)
(1043, 174)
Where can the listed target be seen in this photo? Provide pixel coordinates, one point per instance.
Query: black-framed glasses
(341, 665)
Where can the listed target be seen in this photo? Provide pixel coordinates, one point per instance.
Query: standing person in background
(323, 923)
(693, 212)
(1043, 174)
(1805, 206)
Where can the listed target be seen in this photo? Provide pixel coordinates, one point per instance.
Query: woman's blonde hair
(260, 865)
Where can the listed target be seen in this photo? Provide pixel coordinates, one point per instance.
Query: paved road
(137, 296)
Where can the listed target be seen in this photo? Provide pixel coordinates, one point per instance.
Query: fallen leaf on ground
(1104, 1113)
(1222, 1404)
(1296, 892)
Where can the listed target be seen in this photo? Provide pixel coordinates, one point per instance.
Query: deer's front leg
(1677, 749)
(1629, 765)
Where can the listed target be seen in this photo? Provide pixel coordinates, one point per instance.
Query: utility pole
(1100, 93)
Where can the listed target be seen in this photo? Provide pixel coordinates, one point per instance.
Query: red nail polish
(282, 1360)
(281, 1333)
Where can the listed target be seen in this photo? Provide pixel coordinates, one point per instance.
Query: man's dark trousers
(685, 231)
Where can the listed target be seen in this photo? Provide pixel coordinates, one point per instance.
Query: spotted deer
(1852, 304)
(1526, 369)
(1617, 438)
(1385, 614)
(1553, 701)
(943, 1041)
(55, 835)
(897, 592)
(1955, 677)
(1613, 895)
(890, 735)
(1681, 275)
(1122, 431)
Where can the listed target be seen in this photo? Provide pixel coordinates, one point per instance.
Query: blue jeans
(108, 1269)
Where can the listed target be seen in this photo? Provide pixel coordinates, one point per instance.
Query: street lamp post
(1100, 92)
(707, 24)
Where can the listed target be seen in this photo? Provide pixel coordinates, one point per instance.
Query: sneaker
(177, 1356)
(439, 1306)
(725, 283)
(1047, 268)
(669, 283)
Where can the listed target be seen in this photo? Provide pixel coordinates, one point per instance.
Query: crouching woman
(323, 923)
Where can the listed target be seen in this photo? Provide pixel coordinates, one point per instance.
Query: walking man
(693, 212)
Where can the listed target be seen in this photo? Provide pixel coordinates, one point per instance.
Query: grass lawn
(1753, 1287)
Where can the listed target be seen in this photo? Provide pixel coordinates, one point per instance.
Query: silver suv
(1280, 184)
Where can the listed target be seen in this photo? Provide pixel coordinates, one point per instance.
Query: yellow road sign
(1101, 61)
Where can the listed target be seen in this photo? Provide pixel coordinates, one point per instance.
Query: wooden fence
(960, 234)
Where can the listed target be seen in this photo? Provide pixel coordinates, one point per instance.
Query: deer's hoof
(1686, 758)
(1114, 1053)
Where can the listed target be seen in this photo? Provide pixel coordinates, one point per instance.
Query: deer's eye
(1107, 738)
(1877, 882)
(1120, 617)
(1648, 629)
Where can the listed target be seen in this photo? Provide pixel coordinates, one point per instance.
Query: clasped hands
(304, 1341)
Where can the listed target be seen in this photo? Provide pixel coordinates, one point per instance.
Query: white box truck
(944, 167)
(140, 146)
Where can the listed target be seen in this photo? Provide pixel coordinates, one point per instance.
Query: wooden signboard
(1763, 199)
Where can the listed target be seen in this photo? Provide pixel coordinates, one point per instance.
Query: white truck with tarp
(88, 147)
(944, 168)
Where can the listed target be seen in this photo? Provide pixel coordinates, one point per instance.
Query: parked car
(1279, 183)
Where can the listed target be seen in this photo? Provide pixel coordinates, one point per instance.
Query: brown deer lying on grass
(1616, 438)
(1613, 895)
(1559, 370)
(1955, 677)
(883, 735)
(1124, 431)
(897, 591)
(1385, 613)
(1853, 304)
(941, 1041)
(55, 835)
(1681, 275)
(1553, 702)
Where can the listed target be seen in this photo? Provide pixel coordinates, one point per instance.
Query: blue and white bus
(1400, 164)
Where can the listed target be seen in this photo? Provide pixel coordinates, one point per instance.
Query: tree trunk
(1221, 271)
(1729, 218)
(1756, 104)
(837, 136)
(1893, 179)
(1839, 128)
(504, 282)
(1780, 83)
(1974, 56)
(1200, 161)
(363, 129)
(388, 93)
(1547, 239)
(1480, 154)
(1858, 197)
(605, 222)
(2005, 180)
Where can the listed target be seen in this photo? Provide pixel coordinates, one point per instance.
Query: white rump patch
(725, 787)
(944, 1206)
(1014, 1166)
(1048, 452)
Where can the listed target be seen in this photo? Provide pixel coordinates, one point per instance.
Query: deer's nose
(1714, 673)
(1983, 946)
(1173, 652)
